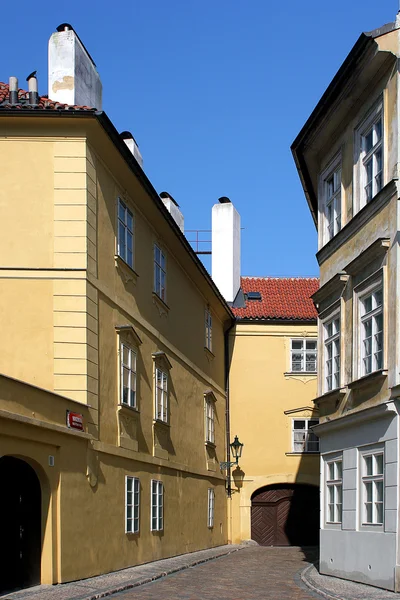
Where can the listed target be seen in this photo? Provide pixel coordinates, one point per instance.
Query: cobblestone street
(255, 573)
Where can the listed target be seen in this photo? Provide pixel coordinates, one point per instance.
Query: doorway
(285, 515)
(20, 507)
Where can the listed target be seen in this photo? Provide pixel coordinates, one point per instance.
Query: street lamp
(236, 449)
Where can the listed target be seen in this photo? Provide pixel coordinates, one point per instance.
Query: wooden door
(285, 515)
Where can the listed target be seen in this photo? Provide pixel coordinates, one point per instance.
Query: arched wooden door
(20, 508)
(285, 515)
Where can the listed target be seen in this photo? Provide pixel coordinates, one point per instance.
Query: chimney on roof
(225, 255)
(33, 88)
(173, 208)
(132, 145)
(13, 90)
(73, 77)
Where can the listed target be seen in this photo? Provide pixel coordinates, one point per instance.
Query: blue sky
(214, 91)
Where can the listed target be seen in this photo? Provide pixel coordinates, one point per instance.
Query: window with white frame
(161, 395)
(157, 505)
(125, 233)
(370, 148)
(372, 475)
(331, 329)
(303, 355)
(304, 440)
(334, 490)
(132, 502)
(211, 504)
(160, 273)
(208, 329)
(128, 375)
(333, 202)
(210, 419)
(371, 330)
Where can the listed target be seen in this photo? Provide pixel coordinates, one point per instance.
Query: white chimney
(132, 145)
(225, 255)
(173, 207)
(73, 77)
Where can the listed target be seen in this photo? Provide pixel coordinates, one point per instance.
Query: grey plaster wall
(367, 554)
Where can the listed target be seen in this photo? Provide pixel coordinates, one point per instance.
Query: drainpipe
(227, 410)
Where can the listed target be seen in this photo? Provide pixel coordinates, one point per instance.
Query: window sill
(335, 394)
(210, 444)
(125, 407)
(161, 305)
(160, 422)
(300, 373)
(313, 453)
(210, 355)
(373, 377)
(128, 273)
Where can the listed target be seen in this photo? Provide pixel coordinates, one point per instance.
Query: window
(304, 440)
(157, 505)
(333, 203)
(211, 503)
(210, 420)
(304, 355)
(369, 139)
(125, 233)
(332, 353)
(160, 273)
(208, 330)
(132, 500)
(128, 376)
(371, 331)
(161, 395)
(372, 470)
(334, 488)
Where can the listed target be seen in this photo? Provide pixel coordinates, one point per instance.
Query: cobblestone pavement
(254, 573)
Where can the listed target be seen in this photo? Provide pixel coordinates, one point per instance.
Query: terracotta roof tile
(286, 298)
(44, 102)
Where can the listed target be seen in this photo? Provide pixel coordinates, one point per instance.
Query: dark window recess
(253, 295)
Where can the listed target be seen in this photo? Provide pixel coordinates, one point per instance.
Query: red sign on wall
(74, 420)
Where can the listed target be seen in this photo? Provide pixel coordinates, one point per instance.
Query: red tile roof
(23, 102)
(282, 298)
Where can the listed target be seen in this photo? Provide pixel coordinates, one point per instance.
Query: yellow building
(273, 381)
(112, 393)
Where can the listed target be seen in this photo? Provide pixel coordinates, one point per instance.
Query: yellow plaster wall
(261, 390)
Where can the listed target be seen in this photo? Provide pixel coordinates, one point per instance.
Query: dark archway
(285, 515)
(20, 508)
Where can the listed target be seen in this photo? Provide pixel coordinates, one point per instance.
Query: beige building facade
(347, 155)
(273, 380)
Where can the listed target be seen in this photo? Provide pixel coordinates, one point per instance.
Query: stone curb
(129, 586)
(307, 582)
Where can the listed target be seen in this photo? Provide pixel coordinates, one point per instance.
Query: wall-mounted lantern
(236, 449)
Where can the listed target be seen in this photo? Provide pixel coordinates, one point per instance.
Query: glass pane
(368, 465)
(338, 469)
(157, 254)
(368, 141)
(331, 491)
(331, 512)
(331, 471)
(129, 220)
(129, 484)
(368, 491)
(368, 513)
(125, 355)
(379, 464)
(129, 512)
(379, 512)
(299, 425)
(378, 130)
(121, 210)
(121, 240)
(339, 494)
(311, 344)
(297, 345)
(379, 491)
